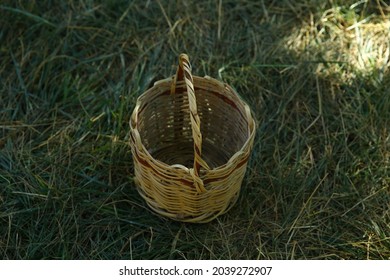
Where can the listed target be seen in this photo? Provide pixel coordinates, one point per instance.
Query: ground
(315, 74)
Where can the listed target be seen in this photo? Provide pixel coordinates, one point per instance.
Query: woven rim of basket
(166, 83)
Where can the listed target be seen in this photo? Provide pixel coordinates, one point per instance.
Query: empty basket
(191, 138)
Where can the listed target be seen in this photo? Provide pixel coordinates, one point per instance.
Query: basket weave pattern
(191, 138)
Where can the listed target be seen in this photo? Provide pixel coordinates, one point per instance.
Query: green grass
(315, 75)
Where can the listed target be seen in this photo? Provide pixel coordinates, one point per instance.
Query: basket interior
(165, 128)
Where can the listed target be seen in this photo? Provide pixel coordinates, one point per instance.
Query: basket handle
(184, 74)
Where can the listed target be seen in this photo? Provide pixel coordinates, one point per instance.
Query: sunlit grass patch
(346, 44)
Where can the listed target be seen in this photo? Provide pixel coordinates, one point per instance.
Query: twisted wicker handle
(184, 74)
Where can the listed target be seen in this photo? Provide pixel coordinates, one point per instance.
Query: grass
(314, 73)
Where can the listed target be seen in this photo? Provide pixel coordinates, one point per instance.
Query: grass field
(315, 73)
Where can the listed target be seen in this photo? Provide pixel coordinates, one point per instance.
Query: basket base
(183, 153)
(201, 219)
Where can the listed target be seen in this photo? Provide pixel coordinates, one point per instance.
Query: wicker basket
(191, 138)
